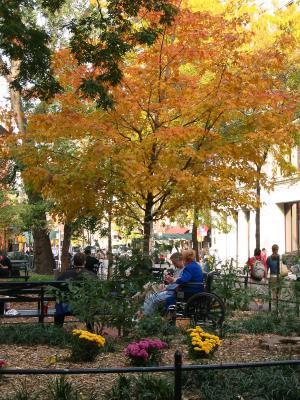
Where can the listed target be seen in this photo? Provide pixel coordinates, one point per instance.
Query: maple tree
(190, 117)
(101, 34)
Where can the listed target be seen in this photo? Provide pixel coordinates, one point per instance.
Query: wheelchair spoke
(205, 308)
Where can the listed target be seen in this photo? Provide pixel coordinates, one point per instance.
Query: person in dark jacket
(91, 263)
(5, 266)
(75, 273)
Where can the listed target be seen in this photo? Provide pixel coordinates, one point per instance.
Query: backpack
(258, 270)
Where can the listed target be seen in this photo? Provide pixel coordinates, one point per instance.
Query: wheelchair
(203, 308)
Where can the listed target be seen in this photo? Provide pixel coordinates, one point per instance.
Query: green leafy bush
(134, 271)
(156, 326)
(145, 387)
(102, 304)
(34, 334)
(232, 289)
(265, 323)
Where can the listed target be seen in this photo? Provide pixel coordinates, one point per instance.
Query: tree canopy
(190, 116)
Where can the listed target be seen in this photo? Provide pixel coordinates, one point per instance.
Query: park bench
(20, 269)
(29, 292)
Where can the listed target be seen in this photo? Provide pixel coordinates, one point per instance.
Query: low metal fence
(275, 291)
(177, 369)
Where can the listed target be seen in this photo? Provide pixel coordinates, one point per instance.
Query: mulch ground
(235, 348)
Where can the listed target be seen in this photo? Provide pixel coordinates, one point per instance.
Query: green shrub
(102, 304)
(155, 326)
(268, 383)
(145, 387)
(265, 323)
(231, 289)
(34, 334)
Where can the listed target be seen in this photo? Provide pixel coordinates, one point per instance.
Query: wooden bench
(19, 266)
(29, 292)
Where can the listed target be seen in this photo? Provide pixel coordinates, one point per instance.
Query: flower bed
(202, 344)
(145, 352)
(85, 345)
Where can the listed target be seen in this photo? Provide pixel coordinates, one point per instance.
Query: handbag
(283, 270)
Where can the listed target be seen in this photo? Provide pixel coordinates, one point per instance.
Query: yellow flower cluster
(91, 337)
(203, 342)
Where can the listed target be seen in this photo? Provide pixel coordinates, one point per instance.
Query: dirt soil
(235, 348)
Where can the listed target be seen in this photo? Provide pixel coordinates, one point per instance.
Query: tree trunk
(194, 234)
(257, 212)
(43, 257)
(109, 245)
(148, 225)
(65, 259)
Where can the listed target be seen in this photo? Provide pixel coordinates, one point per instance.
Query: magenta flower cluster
(2, 363)
(144, 348)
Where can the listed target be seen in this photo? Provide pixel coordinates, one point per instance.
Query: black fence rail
(177, 368)
(277, 291)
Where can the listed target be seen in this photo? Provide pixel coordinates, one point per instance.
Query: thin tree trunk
(194, 235)
(148, 225)
(109, 246)
(43, 257)
(65, 258)
(257, 212)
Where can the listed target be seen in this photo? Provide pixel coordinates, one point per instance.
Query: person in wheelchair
(187, 271)
(191, 274)
(158, 298)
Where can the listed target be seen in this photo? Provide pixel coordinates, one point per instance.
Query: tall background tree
(188, 120)
(101, 35)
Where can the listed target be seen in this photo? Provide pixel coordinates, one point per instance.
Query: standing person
(273, 262)
(264, 257)
(91, 263)
(258, 272)
(273, 265)
(257, 266)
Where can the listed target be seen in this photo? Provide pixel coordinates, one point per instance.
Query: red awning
(178, 231)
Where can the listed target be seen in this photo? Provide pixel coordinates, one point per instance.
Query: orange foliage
(191, 115)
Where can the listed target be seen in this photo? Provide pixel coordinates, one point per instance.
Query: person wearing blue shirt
(191, 273)
(273, 261)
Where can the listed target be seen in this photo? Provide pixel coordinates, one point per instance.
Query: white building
(279, 221)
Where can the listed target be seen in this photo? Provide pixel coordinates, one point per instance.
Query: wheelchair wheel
(205, 308)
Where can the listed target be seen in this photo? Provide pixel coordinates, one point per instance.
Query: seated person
(191, 273)
(155, 299)
(75, 273)
(91, 263)
(188, 271)
(5, 266)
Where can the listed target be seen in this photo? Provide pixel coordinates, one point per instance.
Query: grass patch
(265, 323)
(35, 334)
(34, 277)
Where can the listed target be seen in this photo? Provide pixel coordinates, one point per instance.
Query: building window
(292, 226)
